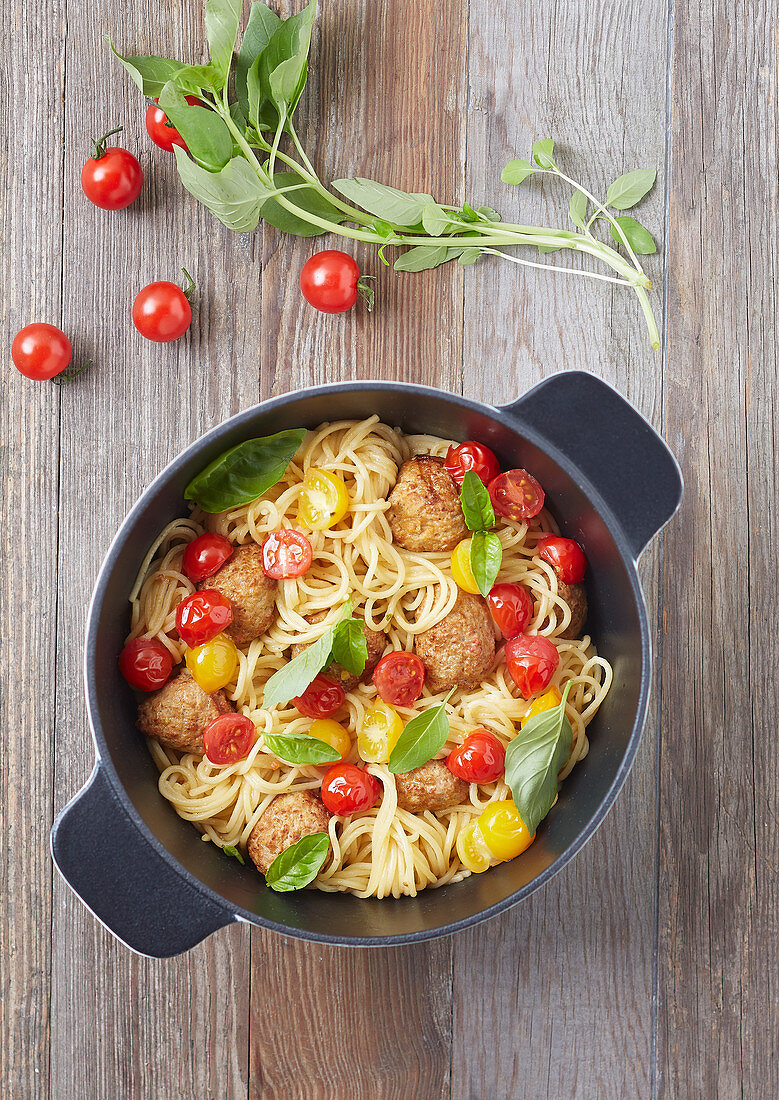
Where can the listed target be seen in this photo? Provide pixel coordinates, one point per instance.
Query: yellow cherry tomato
(547, 701)
(213, 664)
(473, 852)
(461, 567)
(379, 732)
(504, 831)
(323, 500)
(333, 733)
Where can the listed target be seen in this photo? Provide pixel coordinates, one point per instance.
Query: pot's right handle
(616, 449)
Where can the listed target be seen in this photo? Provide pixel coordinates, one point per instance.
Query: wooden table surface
(649, 966)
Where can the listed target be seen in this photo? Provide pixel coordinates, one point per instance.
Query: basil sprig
(300, 748)
(479, 515)
(535, 758)
(350, 647)
(245, 472)
(231, 850)
(421, 739)
(299, 864)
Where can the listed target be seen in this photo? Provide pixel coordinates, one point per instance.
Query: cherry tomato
(347, 789)
(531, 660)
(286, 553)
(205, 556)
(565, 555)
(516, 495)
(548, 701)
(162, 132)
(161, 312)
(40, 351)
(112, 179)
(330, 282)
(471, 456)
(511, 607)
(378, 734)
(460, 563)
(505, 833)
(146, 664)
(201, 616)
(399, 678)
(229, 738)
(321, 698)
(213, 665)
(480, 759)
(333, 733)
(323, 501)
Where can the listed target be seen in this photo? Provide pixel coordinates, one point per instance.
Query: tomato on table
(323, 501)
(40, 351)
(161, 311)
(205, 556)
(516, 495)
(161, 131)
(471, 456)
(347, 789)
(480, 759)
(399, 678)
(565, 556)
(330, 282)
(321, 699)
(213, 664)
(229, 738)
(203, 615)
(286, 553)
(146, 664)
(112, 178)
(511, 607)
(531, 660)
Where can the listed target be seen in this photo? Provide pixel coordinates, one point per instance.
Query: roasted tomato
(471, 456)
(565, 556)
(203, 615)
(347, 789)
(399, 678)
(205, 556)
(229, 738)
(531, 660)
(511, 607)
(321, 699)
(286, 553)
(146, 664)
(480, 759)
(516, 495)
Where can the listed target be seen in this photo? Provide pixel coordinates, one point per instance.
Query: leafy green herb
(630, 189)
(206, 135)
(534, 760)
(421, 739)
(478, 512)
(469, 256)
(306, 199)
(299, 748)
(245, 472)
(486, 551)
(639, 239)
(385, 202)
(231, 850)
(485, 558)
(222, 17)
(517, 171)
(235, 196)
(424, 257)
(577, 208)
(259, 30)
(542, 153)
(293, 678)
(150, 74)
(349, 646)
(434, 219)
(299, 864)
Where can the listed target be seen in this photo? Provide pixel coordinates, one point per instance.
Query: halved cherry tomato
(205, 556)
(378, 734)
(321, 698)
(399, 678)
(162, 132)
(347, 789)
(229, 738)
(213, 665)
(286, 553)
(333, 734)
(511, 607)
(460, 563)
(112, 179)
(203, 615)
(471, 456)
(565, 555)
(516, 495)
(40, 351)
(324, 500)
(146, 664)
(531, 660)
(480, 759)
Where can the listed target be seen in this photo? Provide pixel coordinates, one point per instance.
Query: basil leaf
(485, 558)
(234, 195)
(469, 256)
(395, 206)
(206, 135)
(489, 214)
(349, 646)
(259, 30)
(544, 248)
(299, 864)
(478, 512)
(150, 74)
(421, 739)
(434, 219)
(577, 208)
(298, 748)
(221, 32)
(307, 199)
(630, 189)
(293, 678)
(516, 171)
(231, 850)
(542, 153)
(639, 239)
(423, 257)
(282, 66)
(468, 214)
(245, 472)
(535, 758)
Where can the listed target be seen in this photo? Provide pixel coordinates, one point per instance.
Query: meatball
(575, 596)
(253, 595)
(425, 512)
(376, 641)
(458, 651)
(287, 820)
(431, 787)
(177, 714)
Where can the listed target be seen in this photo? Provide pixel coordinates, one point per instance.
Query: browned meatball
(376, 641)
(425, 512)
(287, 820)
(575, 596)
(458, 651)
(177, 714)
(252, 594)
(431, 787)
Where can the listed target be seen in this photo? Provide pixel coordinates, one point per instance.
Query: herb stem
(556, 267)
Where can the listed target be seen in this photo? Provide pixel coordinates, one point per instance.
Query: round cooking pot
(610, 481)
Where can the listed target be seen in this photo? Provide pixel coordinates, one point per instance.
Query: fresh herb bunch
(238, 169)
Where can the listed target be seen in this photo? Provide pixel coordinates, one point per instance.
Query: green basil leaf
(469, 256)
(282, 66)
(308, 200)
(489, 214)
(235, 195)
(150, 74)
(639, 239)
(222, 18)
(421, 739)
(262, 25)
(398, 207)
(231, 850)
(485, 558)
(423, 257)
(349, 647)
(544, 248)
(516, 171)
(478, 512)
(299, 748)
(299, 864)
(535, 758)
(630, 189)
(207, 137)
(577, 208)
(468, 214)
(434, 219)
(293, 678)
(245, 472)
(542, 153)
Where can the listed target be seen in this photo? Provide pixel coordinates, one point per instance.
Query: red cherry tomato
(146, 664)
(511, 607)
(161, 312)
(329, 281)
(516, 495)
(471, 456)
(531, 660)
(399, 678)
(480, 759)
(565, 555)
(201, 616)
(229, 738)
(347, 789)
(321, 698)
(205, 556)
(40, 351)
(112, 179)
(162, 132)
(286, 553)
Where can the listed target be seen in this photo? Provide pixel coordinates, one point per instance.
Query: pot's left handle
(113, 869)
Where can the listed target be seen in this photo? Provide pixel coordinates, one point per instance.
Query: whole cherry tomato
(347, 789)
(162, 132)
(565, 555)
(511, 607)
(330, 282)
(516, 495)
(146, 664)
(471, 456)
(229, 738)
(531, 660)
(161, 311)
(205, 556)
(286, 553)
(112, 178)
(321, 698)
(399, 678)
(480, 759)
(40, 351)
(201, 616)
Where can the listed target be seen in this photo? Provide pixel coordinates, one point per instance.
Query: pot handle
(612, 444)
(116, 872)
